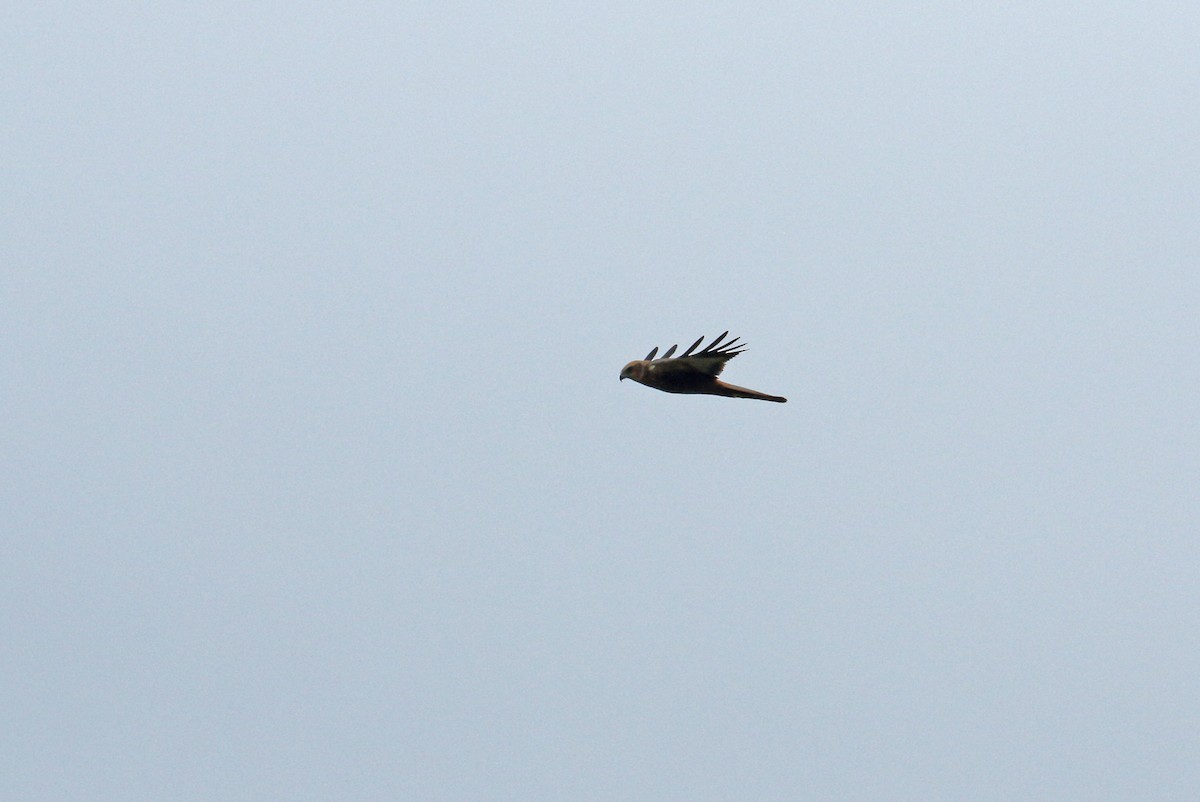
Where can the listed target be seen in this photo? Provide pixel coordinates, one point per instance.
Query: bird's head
(634, 370)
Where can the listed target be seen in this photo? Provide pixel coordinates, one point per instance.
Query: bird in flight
(693, 373)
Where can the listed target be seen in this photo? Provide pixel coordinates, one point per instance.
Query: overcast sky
(319, 482)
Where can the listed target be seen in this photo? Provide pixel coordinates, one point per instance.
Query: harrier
(693, 373)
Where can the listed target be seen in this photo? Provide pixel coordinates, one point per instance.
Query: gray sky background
(319, 482)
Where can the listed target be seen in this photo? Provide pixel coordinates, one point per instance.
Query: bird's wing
(709, 360)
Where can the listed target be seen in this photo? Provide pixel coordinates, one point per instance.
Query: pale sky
(319, 481)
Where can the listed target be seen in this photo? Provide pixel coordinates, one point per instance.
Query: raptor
(693, 372)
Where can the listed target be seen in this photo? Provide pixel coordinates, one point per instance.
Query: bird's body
(693, 373)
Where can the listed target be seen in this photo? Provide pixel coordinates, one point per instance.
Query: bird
(693, 373)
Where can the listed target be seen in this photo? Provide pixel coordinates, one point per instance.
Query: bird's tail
(733, 391)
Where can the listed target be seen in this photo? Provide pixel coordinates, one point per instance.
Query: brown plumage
(693, 373)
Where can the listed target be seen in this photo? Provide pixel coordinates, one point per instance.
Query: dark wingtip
(692, 348)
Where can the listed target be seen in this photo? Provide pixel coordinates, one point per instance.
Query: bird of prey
(693, 373)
